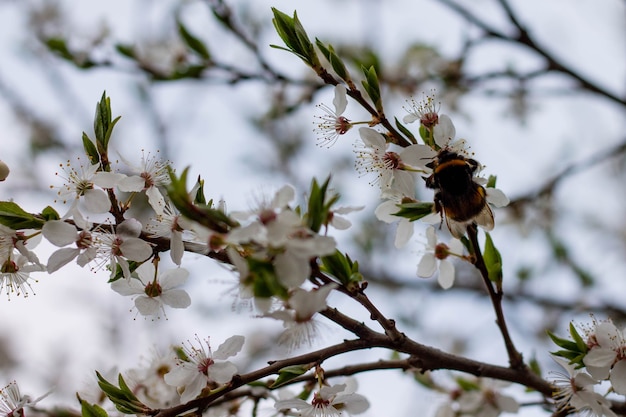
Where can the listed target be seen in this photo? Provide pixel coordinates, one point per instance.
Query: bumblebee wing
(485, 218)
(457, 229)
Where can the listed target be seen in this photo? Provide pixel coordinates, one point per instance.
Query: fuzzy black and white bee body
(459, 199)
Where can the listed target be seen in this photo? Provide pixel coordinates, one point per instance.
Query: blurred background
(543, 108)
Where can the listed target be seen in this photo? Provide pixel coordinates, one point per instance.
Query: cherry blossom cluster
(597, 355)
(396, 171)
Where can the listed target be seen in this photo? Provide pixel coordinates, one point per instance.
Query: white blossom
(436, 258)
(328, 402)
(297, 316)
(153, 291)
(392, 169)
(61, 233)
(605, 359)
(15, 275)
(333, 124)
(122, 245)
(148, 382)
(12, 402)
(169, 224)
(204, 368)
(575, 389)
(149, 176)
(82, 182)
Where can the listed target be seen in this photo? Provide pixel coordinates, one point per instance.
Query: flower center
(391, 160)
(342, 125)
(429, 120)
(149, 181)
(84, 240)
(9, 267)
(442, 251)
(266, 216)
(203, 366)
(319, 402)
(153, 289)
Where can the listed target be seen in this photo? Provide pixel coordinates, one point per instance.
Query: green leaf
(194, 43)
(91, 410)
(340, 266)
(14, 217)
(534, 366)
(263, 280)
(90, 150)
(207, 216)
(59, 47)
(123, 398)
(414, 211)
(319, 205)
(295, 37)
(288, 373)
(493, 260)
(103, 125)
(564, 343)
(406, 132)
(467, 385)
(580, 343)
(49, 213)
(372, 87)
(335, 61)
(126, 50)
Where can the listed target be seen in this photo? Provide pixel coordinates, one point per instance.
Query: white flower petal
(291, 270)
(404, 232)
(194, 387)
(372, 138)
(61, 258)
(410, 118)
(97, 201)
(179, 376)
(417, 155)
(222, 372)
(59, 233)
(107, 179)
(177, 247)
(340, 101)
(618, 377)
(230, 347)
(128, 286)
(340, 223)
(136, 249)
(496, 197)
(385, 210)
(129, 227)
(427, 266)
(147, 306)
(284, 196)
(87, 256)
(156, 200)
(444, 131)
(446, 274)
(176, 298)
(404, 183)
(173, 278)
(132, 184)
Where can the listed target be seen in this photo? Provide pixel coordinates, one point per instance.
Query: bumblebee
(458, 198)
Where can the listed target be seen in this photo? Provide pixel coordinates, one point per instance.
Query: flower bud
(4, 170)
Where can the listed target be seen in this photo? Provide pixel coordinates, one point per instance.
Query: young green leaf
(414, 211)
(90, 410)
(493, 260)
(288, 373)
(194, 43)
(14, 217)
